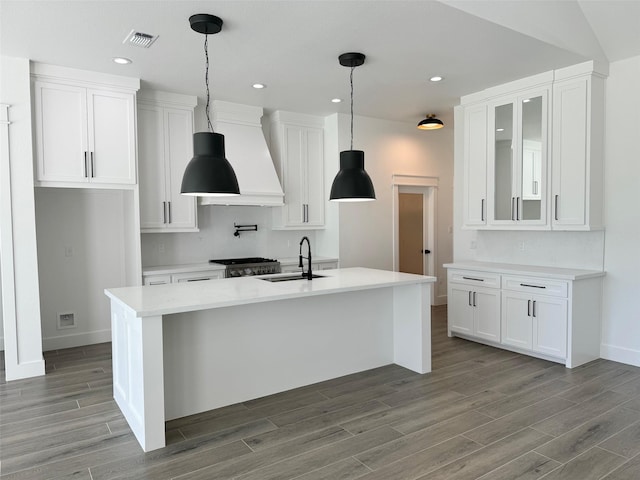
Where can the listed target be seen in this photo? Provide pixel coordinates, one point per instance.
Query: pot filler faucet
(309, 274)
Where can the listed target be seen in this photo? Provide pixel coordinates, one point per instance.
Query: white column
(18, 248)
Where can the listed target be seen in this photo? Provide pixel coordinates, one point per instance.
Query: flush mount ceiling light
(209, 173)
(430, 123)
(352, 183)
(122, 60)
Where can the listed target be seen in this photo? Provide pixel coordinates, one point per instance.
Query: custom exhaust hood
(247, 151)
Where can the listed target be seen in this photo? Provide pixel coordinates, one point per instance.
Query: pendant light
(209, 173)
(352, 183)
(430, 123)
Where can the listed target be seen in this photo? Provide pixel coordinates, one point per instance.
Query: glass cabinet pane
(531, 161)
(503, 194)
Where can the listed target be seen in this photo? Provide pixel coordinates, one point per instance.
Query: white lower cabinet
(474, 310)
(556, 316)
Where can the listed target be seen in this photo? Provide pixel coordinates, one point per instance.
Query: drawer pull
(197, 279)
(532, 286)
(474, 279)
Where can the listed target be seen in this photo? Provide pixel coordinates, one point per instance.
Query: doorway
(414, 220)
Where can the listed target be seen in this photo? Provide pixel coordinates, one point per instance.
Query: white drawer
(197, 276)
(473, 277)
(157, 279)
(535, 285)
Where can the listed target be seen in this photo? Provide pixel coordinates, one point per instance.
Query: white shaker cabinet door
(460, 309)
(112, 143)
(475, 165)
(181, 209)
(153, 208)
(550, 326)
(61, 133)
(517, 329)
(487, 313)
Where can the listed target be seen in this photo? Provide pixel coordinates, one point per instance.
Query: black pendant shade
(352, 183)
(430, 123)
(209, 173)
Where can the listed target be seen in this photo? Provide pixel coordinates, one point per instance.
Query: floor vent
(66, 320)
(139, 39)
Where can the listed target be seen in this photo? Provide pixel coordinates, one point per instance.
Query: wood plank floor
(482, 413)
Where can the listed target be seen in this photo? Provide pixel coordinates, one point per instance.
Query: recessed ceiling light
(499, 129)
(336, 100)
(258, 86)
(122, 60)
(437, 78)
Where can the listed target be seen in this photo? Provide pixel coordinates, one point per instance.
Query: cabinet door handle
(517, 208)
(164, 212)
(470, 298)
(534, 308)
(535, 187)
(169, 204)
(555, 207)
(513, 210)
(474, 299)
(482, 210)
(528, 308)
(532, 286)
(474, 279)
(93, 166)
(86, 170)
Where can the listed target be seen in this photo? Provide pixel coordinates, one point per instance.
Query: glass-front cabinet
(517, 160)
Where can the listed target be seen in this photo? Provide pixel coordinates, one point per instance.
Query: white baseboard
(629, 356)
(76, 340)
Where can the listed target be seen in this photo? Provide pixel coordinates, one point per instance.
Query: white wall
(81, 251)
(21, 309)
(366, 229)
(621, 315)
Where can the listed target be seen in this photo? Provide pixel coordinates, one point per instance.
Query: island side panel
(138, 377)
(412, 326)
(228, 355)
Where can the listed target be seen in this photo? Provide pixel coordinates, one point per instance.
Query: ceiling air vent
(139, 39)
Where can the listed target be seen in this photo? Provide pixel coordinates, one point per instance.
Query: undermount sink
(289, 278)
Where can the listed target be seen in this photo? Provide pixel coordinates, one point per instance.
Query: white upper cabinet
(297, 142)
(577, 155)
(534, 159)
(475, 165)
(165, 146)
(85, 128)
(517, 155)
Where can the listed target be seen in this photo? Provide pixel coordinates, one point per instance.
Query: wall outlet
(68, 251)
(66, 320)
(473, 245)
(161, 248)
(522, 246)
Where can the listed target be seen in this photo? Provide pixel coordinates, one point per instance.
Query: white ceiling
(292, 46)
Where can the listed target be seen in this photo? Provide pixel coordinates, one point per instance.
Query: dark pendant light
(430, 123)
(352, 183)
(209, 173)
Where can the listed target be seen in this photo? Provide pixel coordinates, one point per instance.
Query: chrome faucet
(309, 274)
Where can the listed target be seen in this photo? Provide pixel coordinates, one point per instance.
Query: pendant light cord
(206, 78)
(351, 82)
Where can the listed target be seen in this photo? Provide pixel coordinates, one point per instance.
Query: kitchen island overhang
(182, 349)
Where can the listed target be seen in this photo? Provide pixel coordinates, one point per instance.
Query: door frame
(428, 187)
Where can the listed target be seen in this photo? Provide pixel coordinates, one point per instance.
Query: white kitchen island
(181, 349)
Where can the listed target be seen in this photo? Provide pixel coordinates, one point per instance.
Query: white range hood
(247, 151)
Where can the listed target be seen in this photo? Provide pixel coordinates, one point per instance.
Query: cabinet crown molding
(85, 78)
(168, 99)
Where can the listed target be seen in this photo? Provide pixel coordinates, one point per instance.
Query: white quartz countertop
(207, 267)
(528, 270)
(185, 297)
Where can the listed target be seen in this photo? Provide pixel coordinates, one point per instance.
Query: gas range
(242, 267)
